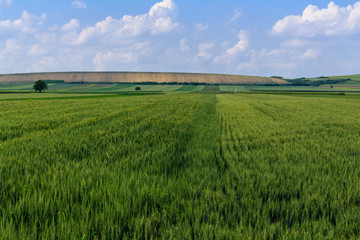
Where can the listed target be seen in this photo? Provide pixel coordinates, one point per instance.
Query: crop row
(292, 165)
(184, 166)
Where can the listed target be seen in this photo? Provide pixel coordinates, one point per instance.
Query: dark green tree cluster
(40, 85)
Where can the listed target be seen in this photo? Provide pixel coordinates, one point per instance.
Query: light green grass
(78, 87)
(8, 96)
(232, 88)
(211, 88)
(116, 88)
(19, 86)
(153, 88)
(298, 88)
(191, 88)
(113, 87)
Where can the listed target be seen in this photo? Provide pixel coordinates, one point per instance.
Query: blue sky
(264, 38)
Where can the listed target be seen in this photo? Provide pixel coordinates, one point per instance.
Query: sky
(262, 38)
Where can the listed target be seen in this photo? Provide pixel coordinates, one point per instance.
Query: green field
(322, 88)
(180, 166)
(233, 88)
(99, 87)
(211, 88)
(348, 86)
(154, 88)
(192, 88)
(13, 96)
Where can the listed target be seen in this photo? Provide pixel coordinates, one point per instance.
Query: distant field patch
(11, 96)
(211, 88)
(116, 87)
(19, 86)
(191, 88)
(154, 88)
(65, 87)
(297, 88)
(232, 88)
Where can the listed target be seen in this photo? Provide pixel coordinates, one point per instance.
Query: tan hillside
(140, 77)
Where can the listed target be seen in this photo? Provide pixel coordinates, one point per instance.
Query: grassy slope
(353, 83)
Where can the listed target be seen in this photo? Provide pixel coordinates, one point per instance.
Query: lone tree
(40, 85)
(137, 88)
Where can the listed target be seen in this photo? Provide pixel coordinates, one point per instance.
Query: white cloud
(27, 23)
(295, 43)
(127, 55)
(79, 4)
(290, 62)
(204, 50)
(6, 2)
(28, 44)
(71, 26)
(231, 53)
(235, 17)
(162, 9)
(47, 62)
(9, 53)
(201, 26)
(333, 20)
(11, 46)
(36, 49)
(311, 54)
(184, 47)
(241, 46)
(158, 20)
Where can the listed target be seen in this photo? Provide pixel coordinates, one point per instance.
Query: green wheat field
(179, 165)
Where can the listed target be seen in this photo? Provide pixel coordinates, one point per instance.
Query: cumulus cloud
(28, 23)
(71, 26)
(311, 54)
(201, 26)
(237, 49)
(158, 20)
(127, 55)
(78, 4)
(28, 44)
(235, 17)
(12, 46)
(5, 2)
(295, 43)
(204, 50)
(241, 45)
(36, 49)
(184, 47)
(9, 52)
(333, 20)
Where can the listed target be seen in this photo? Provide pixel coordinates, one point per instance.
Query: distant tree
(331, 86)
(137, 88)
(40, 85)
